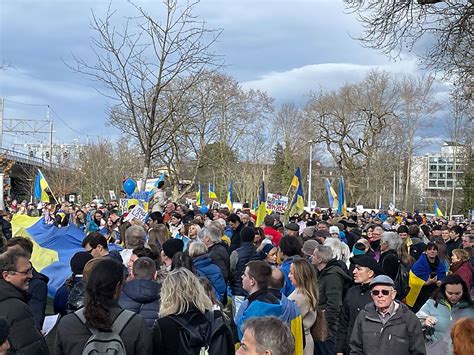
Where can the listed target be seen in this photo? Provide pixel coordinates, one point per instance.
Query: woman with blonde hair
(461, 265)
(183, 301)
(306, 297)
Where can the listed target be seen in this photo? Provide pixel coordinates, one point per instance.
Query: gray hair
(271, 334)
(213, 233)
(392, 239)
(324, 252)
(197, 249)
(135, 237)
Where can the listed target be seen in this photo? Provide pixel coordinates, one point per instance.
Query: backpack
(402, 281)
(210, 338)
(106, 343)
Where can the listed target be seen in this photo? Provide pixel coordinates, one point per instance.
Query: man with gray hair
(332, 281)
(266, 335)
(211, 237)
(134, 238)
(389, 261)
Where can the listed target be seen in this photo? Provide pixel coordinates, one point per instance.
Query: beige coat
(309, 317)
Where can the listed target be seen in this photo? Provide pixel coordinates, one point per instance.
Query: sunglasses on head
(377, 292)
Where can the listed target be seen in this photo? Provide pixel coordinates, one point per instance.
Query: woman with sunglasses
(449, 303)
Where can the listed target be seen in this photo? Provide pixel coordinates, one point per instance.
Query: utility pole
(310, 172)
(50, 138)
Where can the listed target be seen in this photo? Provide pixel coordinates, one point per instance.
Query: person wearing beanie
(357, 297)
(268, 253)
(77, 263)
(4, 331)
(308, 248)
(169, 248)
(238, 259)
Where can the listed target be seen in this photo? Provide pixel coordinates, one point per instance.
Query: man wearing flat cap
(386, 326)
(357, 297)
(292, 229)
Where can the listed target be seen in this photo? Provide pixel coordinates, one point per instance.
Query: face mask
(375, 244)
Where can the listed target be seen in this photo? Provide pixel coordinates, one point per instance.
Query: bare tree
(142, 66)
(392, 25)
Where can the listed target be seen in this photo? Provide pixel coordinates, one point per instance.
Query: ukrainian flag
(199, 197)
(437, 211)
(230, 197)
(53, 247)
(262, 208)
(212, 193)
(342, 207)
(40, 187)
(297, 204)
(332, 196)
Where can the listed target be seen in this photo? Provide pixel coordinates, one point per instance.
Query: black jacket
(357, 298)
(240, 258)
(451, 245)
(401, 334)
(332, 282)
(6, 228)
(220, 256)
(38, 289)
(389, 263)
(72, 334)
(24, 338)
(236, 240)
(417, 248)
(143, 298)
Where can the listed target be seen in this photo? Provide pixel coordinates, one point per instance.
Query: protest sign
(125, 204)
(215, 205)
(112, 194)
(277, 203)
(137, 213)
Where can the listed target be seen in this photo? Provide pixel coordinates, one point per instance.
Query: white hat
(333, 229)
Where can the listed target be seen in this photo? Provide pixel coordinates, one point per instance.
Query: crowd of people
(184, 282)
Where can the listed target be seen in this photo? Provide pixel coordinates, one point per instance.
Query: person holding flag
(342, 207)
(297, 204)
(262, 207)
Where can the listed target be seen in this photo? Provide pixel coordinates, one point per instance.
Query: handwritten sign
(137, 213)
(277, 203)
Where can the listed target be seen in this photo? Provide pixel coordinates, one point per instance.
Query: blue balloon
(204, 209)
(129, 186)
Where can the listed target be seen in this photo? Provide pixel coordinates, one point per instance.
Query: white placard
(137, 213)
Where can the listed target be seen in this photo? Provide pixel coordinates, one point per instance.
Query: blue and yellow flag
(230, 197)
(342, 207)
(40, 187)
(53, 247)
(297, 204)
(332, 196)
(212, 193)
(437, 210)
(262, 207)
(199, 197)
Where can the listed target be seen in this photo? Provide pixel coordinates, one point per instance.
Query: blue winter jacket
(143, 298)
(205, 267)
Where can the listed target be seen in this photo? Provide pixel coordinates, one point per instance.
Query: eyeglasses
(29, 271)
(377, 292)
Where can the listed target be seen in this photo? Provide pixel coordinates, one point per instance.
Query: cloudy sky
(283, 47)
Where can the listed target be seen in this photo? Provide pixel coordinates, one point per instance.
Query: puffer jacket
(401, 334)
(205, 267)
(220, 256)
(332, 283)
(143, 298)
(24, 338)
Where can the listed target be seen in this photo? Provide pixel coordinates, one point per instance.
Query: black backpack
(213, 337)
(402, 281)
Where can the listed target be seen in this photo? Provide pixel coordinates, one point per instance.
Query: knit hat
(333, 229)
(308, 232)
(79, 260)
(4, 330)
(358, 249)
(172, 246)
(267, 248)
(309, 246)
(247, 234)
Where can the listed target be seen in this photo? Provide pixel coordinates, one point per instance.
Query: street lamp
(310, 173)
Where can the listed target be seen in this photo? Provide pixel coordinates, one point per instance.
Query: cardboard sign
(112, 195)
(137, 213)
(277, 203)
(215, 205)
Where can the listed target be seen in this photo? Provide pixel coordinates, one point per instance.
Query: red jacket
(276, 235)
(465, 271)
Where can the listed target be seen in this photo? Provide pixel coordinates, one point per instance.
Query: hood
(40, 276)
(289, 309)
(142, 291)
(7, 290)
